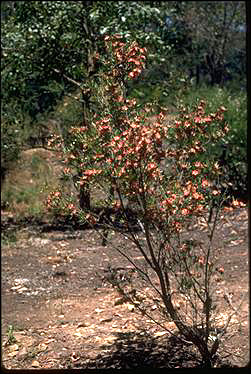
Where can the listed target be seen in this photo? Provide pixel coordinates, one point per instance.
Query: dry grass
(27, 185)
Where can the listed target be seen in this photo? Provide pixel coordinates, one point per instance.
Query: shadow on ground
(139, 350)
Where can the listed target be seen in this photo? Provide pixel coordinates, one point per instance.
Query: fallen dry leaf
(78, 334)
(14, 347)
(120, 301)
(236, 242)
(82, 324)
(53, 259)
(12, 354)
(103, 320)
(97, 310)
(109, 339)
(42, 347)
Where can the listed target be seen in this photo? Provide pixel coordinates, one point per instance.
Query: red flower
(221, 270)
(195, 172)
(185, 212)
(205, 183)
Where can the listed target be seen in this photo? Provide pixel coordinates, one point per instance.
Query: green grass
(8, 238)
(10, 335)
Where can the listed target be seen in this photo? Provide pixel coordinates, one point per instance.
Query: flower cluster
(131, 60)
(57, 205)
(55, 142)
(53, 199)
(163, 164)
(235, 204)
(88, 174)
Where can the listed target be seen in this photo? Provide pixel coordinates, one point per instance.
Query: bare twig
(69, 79)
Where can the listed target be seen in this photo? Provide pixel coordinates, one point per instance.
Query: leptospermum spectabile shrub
(161, 168)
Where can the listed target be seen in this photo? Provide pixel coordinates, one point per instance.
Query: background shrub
(232, 152)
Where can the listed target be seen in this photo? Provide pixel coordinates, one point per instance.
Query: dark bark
(84, 193)
(84, 197)
(197, 75)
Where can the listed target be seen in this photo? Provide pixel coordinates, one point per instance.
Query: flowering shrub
(162, 170)
(59, 204)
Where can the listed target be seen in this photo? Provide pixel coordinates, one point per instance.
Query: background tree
(49, 50)
(208, 36)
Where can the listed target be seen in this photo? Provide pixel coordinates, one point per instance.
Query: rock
(131, 307)
(23, 352)
(35, 364)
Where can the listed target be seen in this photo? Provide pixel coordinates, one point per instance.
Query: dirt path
(65, 314)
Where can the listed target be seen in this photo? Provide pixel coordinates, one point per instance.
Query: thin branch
(75, 98)
(129, 259)
(153, 319)
(133, 237)
(68, 78)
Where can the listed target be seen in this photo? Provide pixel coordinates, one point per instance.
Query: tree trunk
(197, 75)
(84, 193)
(84, 197)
